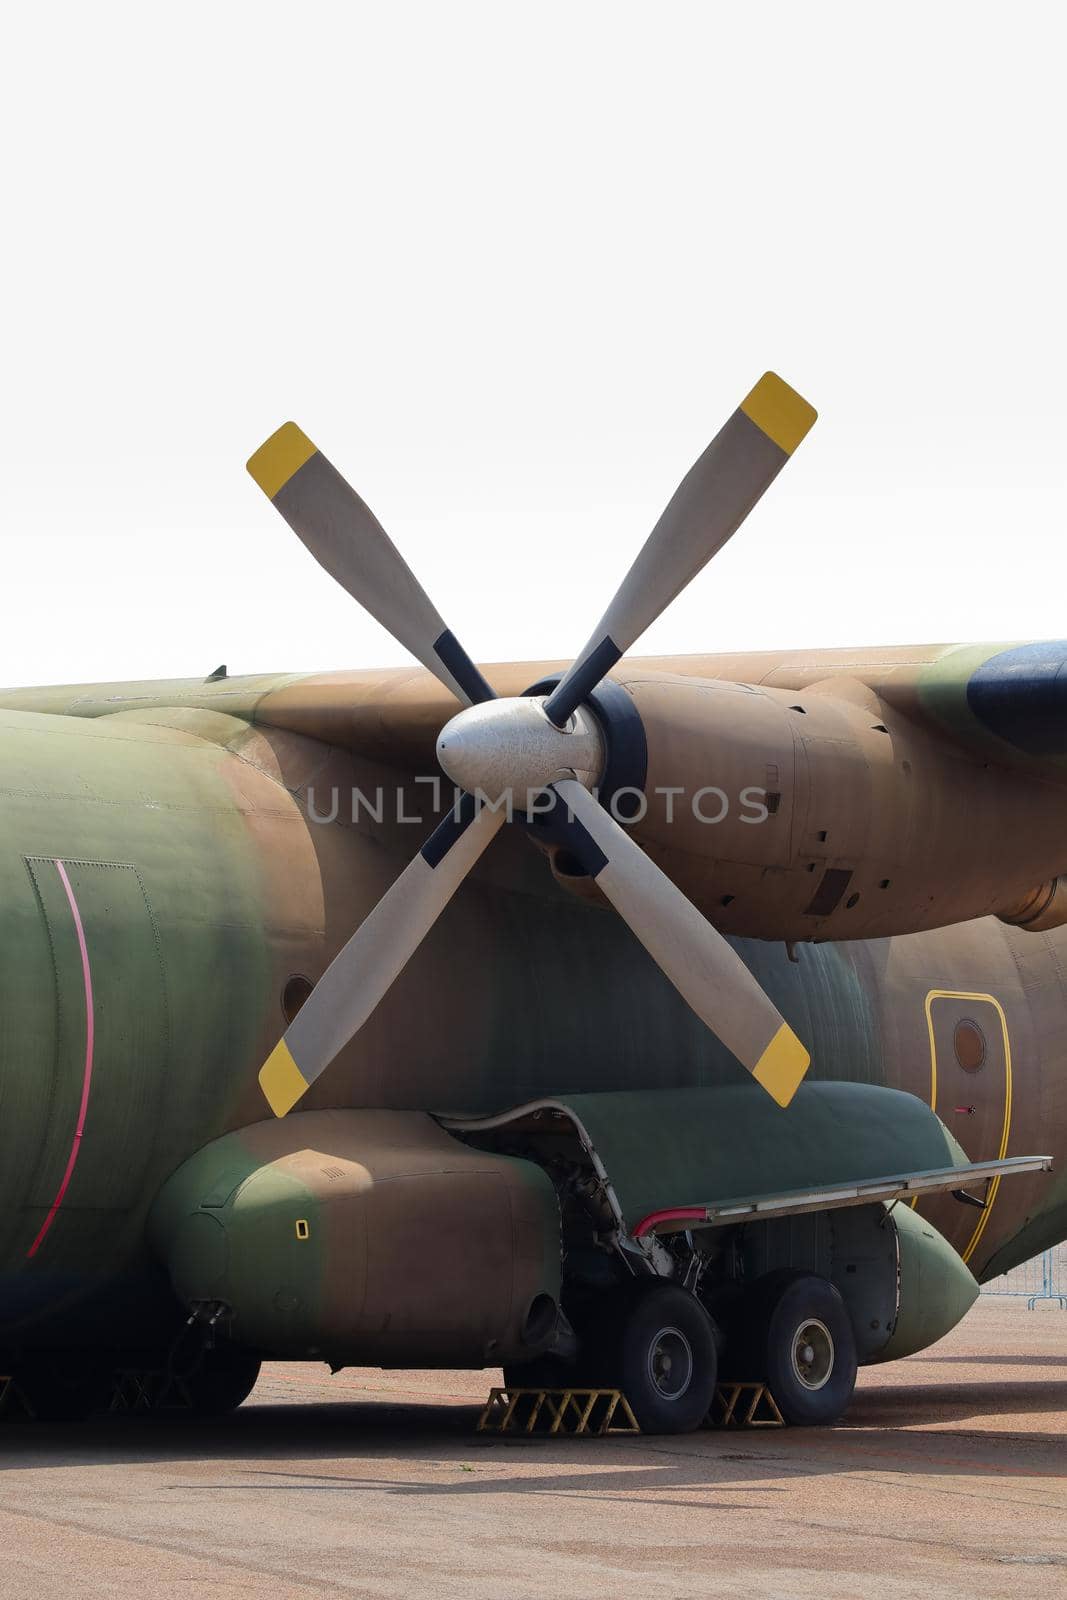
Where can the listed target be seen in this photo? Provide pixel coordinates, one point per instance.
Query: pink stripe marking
(90, 1028)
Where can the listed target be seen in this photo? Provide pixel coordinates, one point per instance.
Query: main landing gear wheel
(665, 1360)
(808, 1348)
(220, 1383)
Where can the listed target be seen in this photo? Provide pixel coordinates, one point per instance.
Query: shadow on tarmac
(905, 1429)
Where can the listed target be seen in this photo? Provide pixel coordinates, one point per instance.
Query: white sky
(512, 266)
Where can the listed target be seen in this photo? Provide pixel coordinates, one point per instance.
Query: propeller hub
(508, 749)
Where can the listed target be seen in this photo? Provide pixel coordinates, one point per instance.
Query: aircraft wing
(1006, 702)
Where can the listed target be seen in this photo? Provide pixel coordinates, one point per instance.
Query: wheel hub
(812, 1354)
(670, 1363)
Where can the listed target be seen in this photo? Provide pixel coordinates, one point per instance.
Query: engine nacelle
(822, 813)
(1046, 908)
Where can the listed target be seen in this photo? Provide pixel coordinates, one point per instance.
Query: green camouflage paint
(160, 799)
(168, 889)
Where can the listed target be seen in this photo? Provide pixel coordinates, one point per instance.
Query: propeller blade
(709, 506)
(359, 976)
(705, 970)
(346, 538)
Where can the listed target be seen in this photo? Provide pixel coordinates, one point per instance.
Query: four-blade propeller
(513, 747)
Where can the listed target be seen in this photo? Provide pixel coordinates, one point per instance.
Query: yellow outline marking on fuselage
(988, 999)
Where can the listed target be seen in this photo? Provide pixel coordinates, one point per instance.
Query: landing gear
(224, 1378)
(70, 1388)
(656, 1344)
(216, 1385)
(800, 1342)
(666, 1362)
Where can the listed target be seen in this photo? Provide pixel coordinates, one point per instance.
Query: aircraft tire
(665, 1359)
(223, 1380)
(808, 1349)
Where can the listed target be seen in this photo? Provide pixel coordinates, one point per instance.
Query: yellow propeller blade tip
(782, 414)
(284, 453)
(781, 1067)
(281, 1080)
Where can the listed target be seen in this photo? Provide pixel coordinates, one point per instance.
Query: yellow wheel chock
(758, 1409)
(593, 1413)
(568, 1411)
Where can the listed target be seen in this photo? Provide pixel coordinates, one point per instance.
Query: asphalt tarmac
(948, 1479)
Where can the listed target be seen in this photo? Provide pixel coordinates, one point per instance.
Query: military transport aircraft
(715, 1019)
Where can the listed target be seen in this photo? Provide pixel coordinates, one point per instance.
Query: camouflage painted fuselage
(162, 881)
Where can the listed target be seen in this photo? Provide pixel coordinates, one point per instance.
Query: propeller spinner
(497, 747)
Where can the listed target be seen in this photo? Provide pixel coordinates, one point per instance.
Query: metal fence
(1044, 1277)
